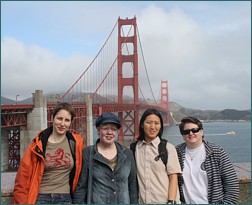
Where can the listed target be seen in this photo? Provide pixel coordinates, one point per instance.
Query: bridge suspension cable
(145, 67)
(92, 62)
(100, 80)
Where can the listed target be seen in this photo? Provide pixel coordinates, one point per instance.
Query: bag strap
(163, 151)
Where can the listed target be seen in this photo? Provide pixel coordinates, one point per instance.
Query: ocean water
(238, 146)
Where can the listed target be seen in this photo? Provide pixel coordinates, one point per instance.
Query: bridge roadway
(16, 115)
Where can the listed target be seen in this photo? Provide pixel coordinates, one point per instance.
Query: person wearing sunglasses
(208, 176)
(108, 173)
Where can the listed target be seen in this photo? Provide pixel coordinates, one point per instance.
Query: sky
(203, 48)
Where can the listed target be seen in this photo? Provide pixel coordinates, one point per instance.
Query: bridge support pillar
(4, 150)
(89, 121)
(37, 119)
(24, 140)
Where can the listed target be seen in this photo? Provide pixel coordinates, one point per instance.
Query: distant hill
(7, 101)
(178, 111)
(51, 97)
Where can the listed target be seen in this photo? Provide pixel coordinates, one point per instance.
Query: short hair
(64, 106)
(189, 119)
(144, 116)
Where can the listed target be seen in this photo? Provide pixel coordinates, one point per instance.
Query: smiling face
(107, 133)
(62, 122)
(193, 140)
(151, 126)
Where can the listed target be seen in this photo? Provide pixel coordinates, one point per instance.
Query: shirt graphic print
(59, 158)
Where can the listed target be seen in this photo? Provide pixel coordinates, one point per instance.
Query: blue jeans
(54, 199)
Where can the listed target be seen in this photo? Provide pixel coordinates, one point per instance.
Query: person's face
(107, 133)
(151, 126)
(62, 122)
(192, 139)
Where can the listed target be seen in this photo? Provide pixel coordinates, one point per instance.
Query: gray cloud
(206, 70)
(207, 66)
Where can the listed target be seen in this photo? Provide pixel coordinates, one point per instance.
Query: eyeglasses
(106, 129)
(193, 130)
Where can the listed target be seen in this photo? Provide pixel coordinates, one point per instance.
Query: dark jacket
(108, 187)
(223, 186)
(32, 165)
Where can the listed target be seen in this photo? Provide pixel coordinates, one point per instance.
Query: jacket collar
(120, 153)
(208, 148)
(43, 136)
(119, 147)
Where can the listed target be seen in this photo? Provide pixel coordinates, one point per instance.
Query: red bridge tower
(129, 120)
(165, 100)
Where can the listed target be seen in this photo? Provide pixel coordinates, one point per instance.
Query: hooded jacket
(31, 168)
(223, 185)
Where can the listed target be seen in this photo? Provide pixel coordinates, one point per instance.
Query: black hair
(64, 106)
(144, 116)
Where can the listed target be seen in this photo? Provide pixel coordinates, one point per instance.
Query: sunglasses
(193, 130)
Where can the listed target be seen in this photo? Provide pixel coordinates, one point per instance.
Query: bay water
(237, 146)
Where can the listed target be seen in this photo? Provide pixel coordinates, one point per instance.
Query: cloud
(29, 68)
(203, 51)
(204, 70)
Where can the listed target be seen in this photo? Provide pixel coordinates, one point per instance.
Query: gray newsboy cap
(108, 117)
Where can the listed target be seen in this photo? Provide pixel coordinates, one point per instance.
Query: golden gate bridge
(116, 81)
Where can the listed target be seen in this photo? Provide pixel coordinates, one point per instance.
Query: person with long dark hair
(50, 168)
(158, 182)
